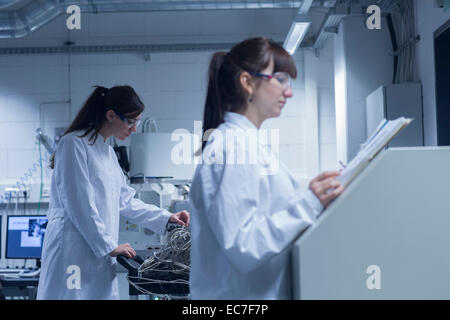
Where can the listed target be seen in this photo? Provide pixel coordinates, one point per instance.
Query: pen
(342, 165)
(378, 131)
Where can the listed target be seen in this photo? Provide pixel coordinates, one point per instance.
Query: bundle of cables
(166, 273)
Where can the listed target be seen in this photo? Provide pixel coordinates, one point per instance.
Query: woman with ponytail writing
(88, 192)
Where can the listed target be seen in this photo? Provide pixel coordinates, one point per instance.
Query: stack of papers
(384, 133)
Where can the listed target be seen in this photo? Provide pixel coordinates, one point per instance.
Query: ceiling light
(298, 30)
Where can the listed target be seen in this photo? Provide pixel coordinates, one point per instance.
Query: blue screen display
(25, 236)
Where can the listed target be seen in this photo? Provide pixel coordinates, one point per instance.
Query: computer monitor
(25, 236)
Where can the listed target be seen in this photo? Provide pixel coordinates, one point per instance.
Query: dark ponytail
(225, 92)
(92, 115)
(214, 112)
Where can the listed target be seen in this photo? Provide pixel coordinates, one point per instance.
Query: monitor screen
(24, 236)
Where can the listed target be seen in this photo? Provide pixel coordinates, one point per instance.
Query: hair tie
(101, 90)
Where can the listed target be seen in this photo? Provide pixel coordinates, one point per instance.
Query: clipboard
(386, 131)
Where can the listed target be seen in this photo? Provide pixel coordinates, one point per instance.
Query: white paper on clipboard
(385, 132)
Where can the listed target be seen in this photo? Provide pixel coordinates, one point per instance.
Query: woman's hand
(326, 187)
(123, 250)
(181, 218)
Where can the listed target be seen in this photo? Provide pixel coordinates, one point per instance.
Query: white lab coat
(88, 191)
(243, 220)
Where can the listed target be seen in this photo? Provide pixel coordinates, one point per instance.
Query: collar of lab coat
(239, 119)
(99, 142)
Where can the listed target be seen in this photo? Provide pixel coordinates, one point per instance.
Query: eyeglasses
(283, 78)
(130, 122)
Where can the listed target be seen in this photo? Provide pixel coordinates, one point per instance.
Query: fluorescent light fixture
(298, 30)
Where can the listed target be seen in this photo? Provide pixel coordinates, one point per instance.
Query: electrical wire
(390, 24)
(404, 27)
(168, 269)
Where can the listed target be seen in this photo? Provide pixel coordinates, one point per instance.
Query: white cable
(168, 266)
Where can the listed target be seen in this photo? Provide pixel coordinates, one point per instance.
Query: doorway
(442, 65)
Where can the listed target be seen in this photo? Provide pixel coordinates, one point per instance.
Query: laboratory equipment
(166, 273)
(162, 155)
(385, 237)
(45, 141)
(25, 236)
(160, 194)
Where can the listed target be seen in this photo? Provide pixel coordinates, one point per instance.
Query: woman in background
(88, 192)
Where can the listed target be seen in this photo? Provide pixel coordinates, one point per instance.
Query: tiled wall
(34, 92)
(172, 86)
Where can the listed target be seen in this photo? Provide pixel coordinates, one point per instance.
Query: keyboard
(14, 271)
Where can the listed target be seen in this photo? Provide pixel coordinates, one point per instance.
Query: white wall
(172, 86)
(363, 63)
(327, 109)
(428, 20)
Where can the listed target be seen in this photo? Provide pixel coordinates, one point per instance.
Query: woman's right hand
(326, 187)
(123, 250)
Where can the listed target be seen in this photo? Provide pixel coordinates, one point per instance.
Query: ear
(110, 115)
(246, 82)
